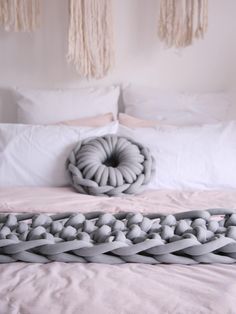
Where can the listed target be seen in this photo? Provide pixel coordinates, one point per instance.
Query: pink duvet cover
(130, 288)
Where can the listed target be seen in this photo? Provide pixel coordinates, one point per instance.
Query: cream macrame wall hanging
(91, 37)
(91, 45)
(19, 15)
(181, 21)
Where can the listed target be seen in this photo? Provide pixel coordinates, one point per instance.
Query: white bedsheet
(131, 288)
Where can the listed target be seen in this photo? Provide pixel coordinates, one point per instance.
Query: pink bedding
(131, 288)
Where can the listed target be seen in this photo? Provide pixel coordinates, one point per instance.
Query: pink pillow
(133, 122)
(96, 121)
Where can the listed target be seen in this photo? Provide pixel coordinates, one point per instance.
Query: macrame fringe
(181, 21)
(19, 15)
(90, 46)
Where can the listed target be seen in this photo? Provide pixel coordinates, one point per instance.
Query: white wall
(39, 59)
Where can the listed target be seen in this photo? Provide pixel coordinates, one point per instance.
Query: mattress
(129, 288)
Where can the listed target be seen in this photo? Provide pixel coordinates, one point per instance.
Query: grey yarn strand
(192, 237)
(109, 165)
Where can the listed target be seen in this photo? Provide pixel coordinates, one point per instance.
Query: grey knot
(109, 165)
(184, 238)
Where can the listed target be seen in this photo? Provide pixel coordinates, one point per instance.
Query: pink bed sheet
(65, 199)
(130, 288)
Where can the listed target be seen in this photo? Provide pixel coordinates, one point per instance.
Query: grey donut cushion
(109, 165)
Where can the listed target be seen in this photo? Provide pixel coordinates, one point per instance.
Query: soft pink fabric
(96, 121)
(66, 199)
(133, 122)
(59, 288)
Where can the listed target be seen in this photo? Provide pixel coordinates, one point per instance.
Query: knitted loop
(186, 238)
(109, 165)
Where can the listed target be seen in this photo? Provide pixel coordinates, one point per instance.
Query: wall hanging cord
(90, 36)
(19, 15)
(181, 21)
(90, 46)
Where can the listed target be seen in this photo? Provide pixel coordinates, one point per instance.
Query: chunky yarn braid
(110, 165)
(207, 236)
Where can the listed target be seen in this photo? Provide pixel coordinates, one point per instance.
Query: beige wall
(39, 59)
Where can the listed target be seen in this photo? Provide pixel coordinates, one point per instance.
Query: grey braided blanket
(185, 238)
(109, 165)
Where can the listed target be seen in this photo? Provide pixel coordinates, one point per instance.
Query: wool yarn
(19, 15)
(90, 39)
(110, 165)
(181, 21)
(192, 237)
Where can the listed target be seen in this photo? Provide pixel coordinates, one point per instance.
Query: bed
(192, 139)
(129, 288)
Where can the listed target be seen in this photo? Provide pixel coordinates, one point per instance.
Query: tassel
(90, 46)
(181, 21)
(19, 15)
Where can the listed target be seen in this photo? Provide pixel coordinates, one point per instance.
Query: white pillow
(190, 157)
(36, 155)
(39, 106)
(7, 105)
(178, 108)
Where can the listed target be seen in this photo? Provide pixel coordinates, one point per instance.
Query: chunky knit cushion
(110, 165)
